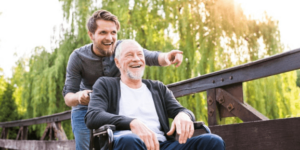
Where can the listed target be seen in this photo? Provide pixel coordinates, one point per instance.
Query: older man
(140, 109)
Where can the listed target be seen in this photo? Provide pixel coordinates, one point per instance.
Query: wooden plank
(25, 133)
(235, 90)
(66, 115)
(212, 108)
(37, 145)
(50, 131)
(19, 136)
(46, 131)
(59, 131)
(276, 64)
(22, 134)
(4, 133)
(237, 108)
(280, 134)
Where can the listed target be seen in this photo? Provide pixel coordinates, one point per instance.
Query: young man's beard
(105, 53)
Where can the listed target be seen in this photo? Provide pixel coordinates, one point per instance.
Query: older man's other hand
(184, 127)
(146, 135)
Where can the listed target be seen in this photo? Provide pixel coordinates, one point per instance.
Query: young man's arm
(172, 57)
(154, 58)
(71, 92)
(80, 97)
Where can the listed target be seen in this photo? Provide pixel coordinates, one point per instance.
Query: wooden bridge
(224, 99)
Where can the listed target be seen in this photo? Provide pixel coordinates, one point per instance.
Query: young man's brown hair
(101, 15)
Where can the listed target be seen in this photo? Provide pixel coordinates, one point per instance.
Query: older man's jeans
(80, 131)
(201, 142)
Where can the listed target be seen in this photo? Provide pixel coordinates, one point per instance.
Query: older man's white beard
(135, 76)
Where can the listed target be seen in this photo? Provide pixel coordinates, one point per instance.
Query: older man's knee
(129, 141)
(214, 141)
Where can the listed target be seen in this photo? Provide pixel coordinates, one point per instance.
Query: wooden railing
(224, 99)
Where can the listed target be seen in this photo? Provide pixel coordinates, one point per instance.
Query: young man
(94, 60)
(140, 109)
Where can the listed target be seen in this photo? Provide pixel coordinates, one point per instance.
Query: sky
(285, 11)
(27, 24)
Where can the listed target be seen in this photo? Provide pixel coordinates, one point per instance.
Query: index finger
(178, 59)
(177, 51)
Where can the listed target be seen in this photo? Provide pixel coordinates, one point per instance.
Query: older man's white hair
(119, 47)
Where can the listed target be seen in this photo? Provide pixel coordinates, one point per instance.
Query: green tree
(2, 82)
(42, 87)
(8, 109)
(17, 80)
(213, 34)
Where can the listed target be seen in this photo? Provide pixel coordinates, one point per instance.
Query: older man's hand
(146, 135)
(184, 127)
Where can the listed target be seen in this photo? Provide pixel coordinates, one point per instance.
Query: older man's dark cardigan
(104, 104)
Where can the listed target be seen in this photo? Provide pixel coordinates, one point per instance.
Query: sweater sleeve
(151, 57)
(99, 113)
(73, 74)
(173, 106)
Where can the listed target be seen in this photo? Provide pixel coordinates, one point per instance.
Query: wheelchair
(102, 138)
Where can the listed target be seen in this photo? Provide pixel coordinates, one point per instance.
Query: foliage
(2, 82)
(298, 78)
(8, 109)
(213, 34)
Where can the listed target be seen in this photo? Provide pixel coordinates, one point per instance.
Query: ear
(117, 63)
(91, 35)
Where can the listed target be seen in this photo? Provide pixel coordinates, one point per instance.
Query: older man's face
(131, 61)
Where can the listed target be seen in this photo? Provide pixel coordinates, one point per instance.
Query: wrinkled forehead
(131, 47)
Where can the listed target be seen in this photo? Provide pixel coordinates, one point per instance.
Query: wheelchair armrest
(201, 125)
(103, 129)
(102, 138)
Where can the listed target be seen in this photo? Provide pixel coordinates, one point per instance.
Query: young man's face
(105, 38)
(131, 61)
